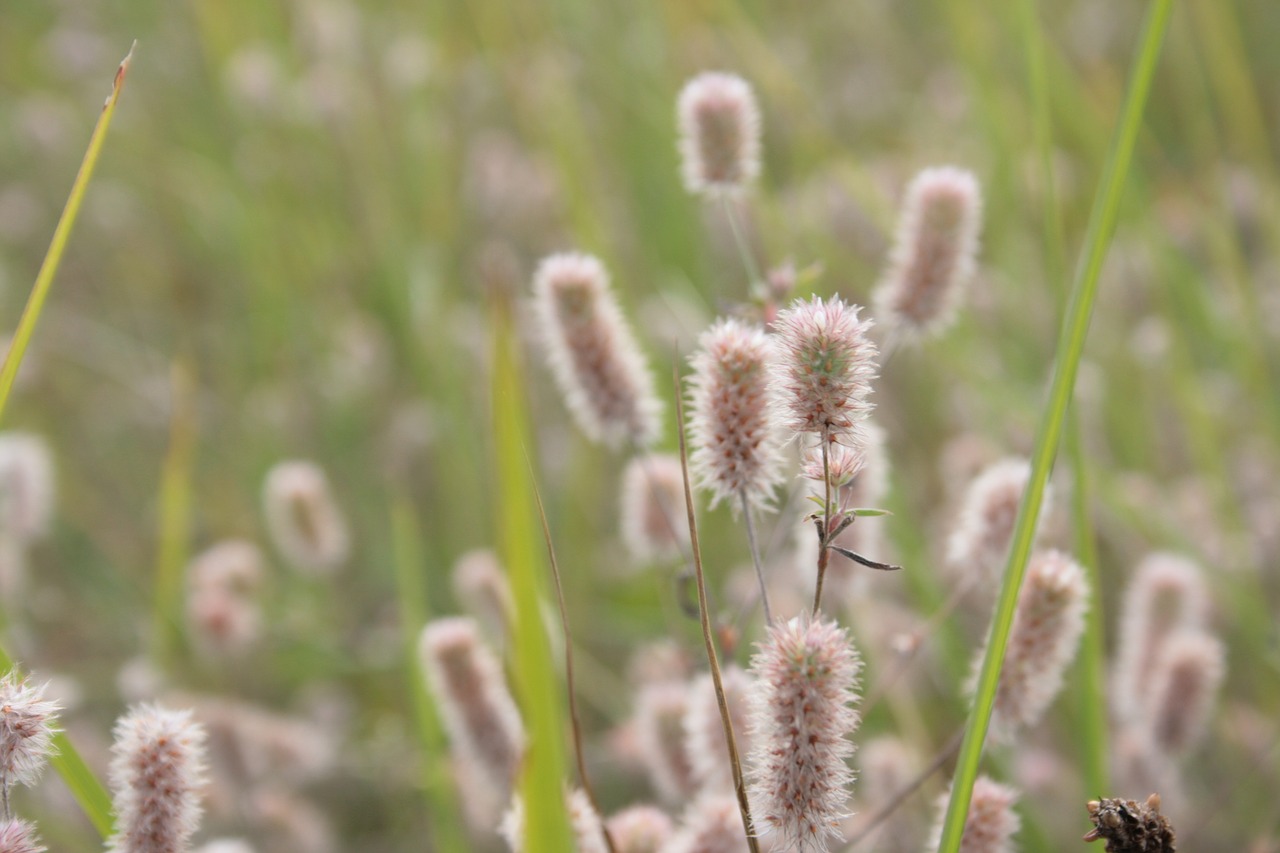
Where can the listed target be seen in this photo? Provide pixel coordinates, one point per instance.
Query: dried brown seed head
(1130, 827)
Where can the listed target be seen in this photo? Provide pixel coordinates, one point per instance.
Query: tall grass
(1075, 327)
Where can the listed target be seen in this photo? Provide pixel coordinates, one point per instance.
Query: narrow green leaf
(1091, 666)
(871, 513)
(543, 772)
(53, 257)
(1075, 326)
(173, 533)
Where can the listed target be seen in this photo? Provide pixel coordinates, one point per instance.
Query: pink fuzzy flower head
(481, 587)
(1188, 674)
(979, 542)
(933, 256)
(654, 523)
(1167, 596)
(157, 773)
(27, 726)
(475, 705)
(584, 823)
(1046, 633)
(991, 823)
(19, 836)
(303, 518)
(222, 597)
(660, 713)
(822, 370)
(719, 134)
(736, 449)
(584, 820)
(705, 742)
(640, 829)
(806, 672)
(594, 357)
(711, 824)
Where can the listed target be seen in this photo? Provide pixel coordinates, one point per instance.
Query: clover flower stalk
(719, 142)
(933, 253)
(27, 726)
(480, 716)
(157, 773)
(593, 356)
(736, 448)
(805, 674)
(821, 379)
(1043, 641)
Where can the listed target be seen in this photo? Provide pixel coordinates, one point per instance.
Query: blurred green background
(304, 209)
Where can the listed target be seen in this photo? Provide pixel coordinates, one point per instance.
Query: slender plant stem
(1092, 700)
(53, 257)
(895, 802)
(574, 718)
(740, 238)
(755, 555)
(1075, 326)
(824, 555)
(739, 784)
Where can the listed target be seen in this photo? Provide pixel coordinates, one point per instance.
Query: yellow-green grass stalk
(77, 776)
(542, 774)
(1091, 664)
(411, 597)
(173, 531)
(61, 233)
(1075, 326)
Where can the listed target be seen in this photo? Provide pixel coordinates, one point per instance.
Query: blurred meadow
(305, 213)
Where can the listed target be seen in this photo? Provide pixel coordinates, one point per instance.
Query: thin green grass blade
(1090, 688)
(1102, 223)
(173, 533)
(84, 786)
(53, 257)
(437, 786)
(543, 773)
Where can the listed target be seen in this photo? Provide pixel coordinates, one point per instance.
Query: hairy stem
(824, 554)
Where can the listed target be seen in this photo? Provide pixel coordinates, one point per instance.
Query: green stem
(53, 257)
(1102, 223)
(1092, 701)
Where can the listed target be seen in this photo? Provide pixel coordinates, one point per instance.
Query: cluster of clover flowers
(761, 758)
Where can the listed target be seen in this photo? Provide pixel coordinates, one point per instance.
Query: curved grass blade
(53, 257)
(175, 516)
(1102, 223)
